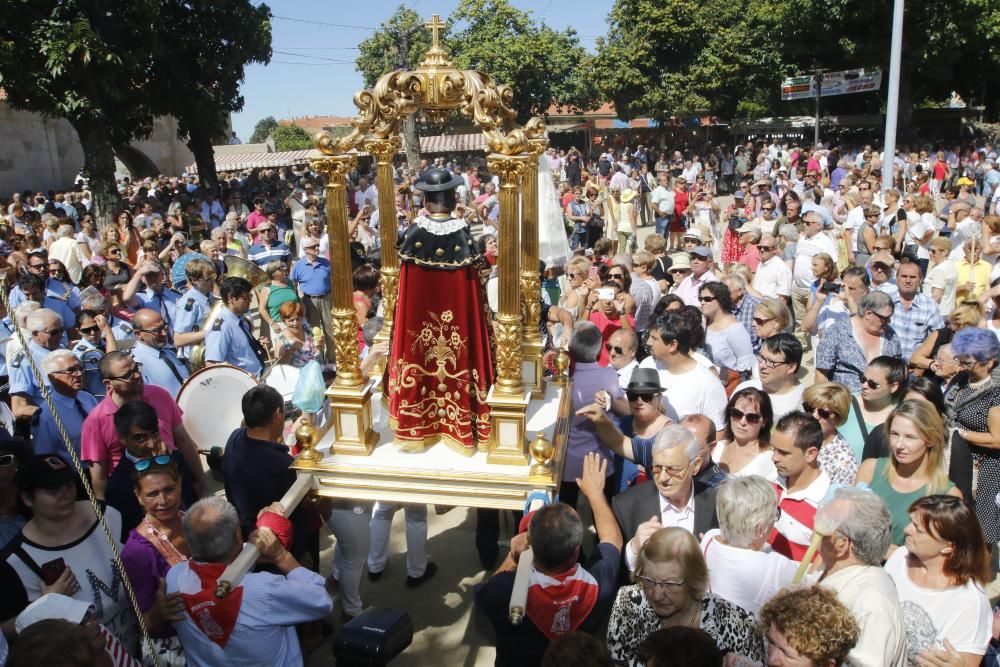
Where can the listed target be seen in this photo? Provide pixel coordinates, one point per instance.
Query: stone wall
(39, 153)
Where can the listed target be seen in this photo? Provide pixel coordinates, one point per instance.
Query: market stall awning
(453, 143)
(240, 161)
(575, 127)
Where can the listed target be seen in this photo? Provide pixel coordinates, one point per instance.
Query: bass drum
(211, 400)
(283, 378)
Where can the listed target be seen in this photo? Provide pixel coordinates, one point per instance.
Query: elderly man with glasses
(773, 278)
(65, 376)
(46, 328)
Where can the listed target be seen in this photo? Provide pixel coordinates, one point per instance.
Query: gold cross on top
(435, 25)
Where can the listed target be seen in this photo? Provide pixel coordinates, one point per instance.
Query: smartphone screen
(52, 570)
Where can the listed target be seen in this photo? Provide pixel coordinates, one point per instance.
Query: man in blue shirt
(156, 295)
(46, 329)
(160, 365)
(269, 248)
(33, 288)
(229, 339)
(194, 305)
(52, 291)
(311, 276)
(65, 376)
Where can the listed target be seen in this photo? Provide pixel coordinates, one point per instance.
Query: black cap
(438, 180)
(15, 446)
(44, 471)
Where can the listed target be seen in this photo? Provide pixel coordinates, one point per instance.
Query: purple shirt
(144, 566)
(588, 379)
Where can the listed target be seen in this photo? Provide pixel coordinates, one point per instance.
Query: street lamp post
(892, 106)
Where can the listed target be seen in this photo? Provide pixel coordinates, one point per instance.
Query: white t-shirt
(728, 567)
(663, 200)
(805, 250)
(699, 391)
(943, 276)
(773, 278)
(918, 227)
(781, 404)
(960, 614)
(761, 465)
(855, 219)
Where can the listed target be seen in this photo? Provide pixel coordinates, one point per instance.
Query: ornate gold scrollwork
(345, 334)
(508, 358)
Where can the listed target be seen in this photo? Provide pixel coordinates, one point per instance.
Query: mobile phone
(594, 274)
(606, 293)
(831, 288)
(52, 570)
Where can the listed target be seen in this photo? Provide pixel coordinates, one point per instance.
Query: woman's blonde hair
(966, 314)
(923, 204)
(676, 545)
(643, 258)
(930, 428)
(776, 309)
(577, 265)
(831, 396)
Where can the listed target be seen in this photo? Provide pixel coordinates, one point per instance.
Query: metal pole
(892, 105)
(819, 95)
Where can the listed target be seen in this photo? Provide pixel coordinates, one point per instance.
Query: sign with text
(834, 83)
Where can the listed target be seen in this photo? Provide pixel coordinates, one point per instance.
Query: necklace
(691, 622)
(163, 542)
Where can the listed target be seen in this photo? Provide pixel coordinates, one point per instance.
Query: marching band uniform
(229, 341)
(160, 366)
(191, 310)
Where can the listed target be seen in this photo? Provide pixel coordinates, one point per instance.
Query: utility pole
(818, 89)
(892, 103)
(410, 138)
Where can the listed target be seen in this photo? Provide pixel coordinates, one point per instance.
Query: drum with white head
(211, 400)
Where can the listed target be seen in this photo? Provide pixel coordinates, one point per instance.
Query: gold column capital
(384, 149)
(334, 167)
(508, 168)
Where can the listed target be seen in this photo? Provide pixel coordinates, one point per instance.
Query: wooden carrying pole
(519, 593)
(242, 564)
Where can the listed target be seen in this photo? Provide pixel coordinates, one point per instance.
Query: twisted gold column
(350, 393)
(384, 151)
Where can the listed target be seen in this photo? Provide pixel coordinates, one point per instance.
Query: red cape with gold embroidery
(441, 365)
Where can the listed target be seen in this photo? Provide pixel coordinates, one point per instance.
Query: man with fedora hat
(441, 364)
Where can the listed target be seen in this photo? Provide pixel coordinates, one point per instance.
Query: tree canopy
(291, 138)
(263, 129)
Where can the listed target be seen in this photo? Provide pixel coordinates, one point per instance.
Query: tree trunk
(200, 144)
(412, 142)
(99, 161)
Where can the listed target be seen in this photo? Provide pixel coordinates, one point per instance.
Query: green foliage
(382, 52)
(291, 138)
(263, 129)
(543, 66)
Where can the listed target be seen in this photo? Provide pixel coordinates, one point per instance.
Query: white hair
(22, 311)
(675, 435)
(53, 361)
(746, 508)
(39, 318)
(734, 280)
(64, 231)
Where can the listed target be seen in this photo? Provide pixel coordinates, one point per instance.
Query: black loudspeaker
(373, 638)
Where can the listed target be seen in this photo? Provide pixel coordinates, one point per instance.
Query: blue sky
(312, 68)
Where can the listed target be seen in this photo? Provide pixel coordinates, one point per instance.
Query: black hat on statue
(438, 180)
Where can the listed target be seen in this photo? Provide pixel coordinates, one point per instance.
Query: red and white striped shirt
(794, 528)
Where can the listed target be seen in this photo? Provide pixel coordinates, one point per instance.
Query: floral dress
(731, 248)
(300, 357)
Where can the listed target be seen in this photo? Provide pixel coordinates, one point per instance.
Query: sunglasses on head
(647, 397)
(160, 460)
(822, 412)
(752, 418)
(613, 348)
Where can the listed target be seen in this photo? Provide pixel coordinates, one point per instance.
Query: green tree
(263, 129)
(291, 138)
(81, 62)
(401, 43)
(543, 66)
(204, 48)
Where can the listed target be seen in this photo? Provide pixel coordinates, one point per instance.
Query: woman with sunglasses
(770, 317)
(828, 403)
(577, 272)
(727, 340)
(972, 409)
(12, 516)
(915, 467)
(672, 590)
(940, 572)
(893, 214)
(153, 547)
(847, 346)
(882, 389)
(746, 449)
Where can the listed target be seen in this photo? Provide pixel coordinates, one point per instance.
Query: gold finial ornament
(562, 366)
(541, 450)
(305, 437)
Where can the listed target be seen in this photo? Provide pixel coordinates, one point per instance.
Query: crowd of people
(813, 362)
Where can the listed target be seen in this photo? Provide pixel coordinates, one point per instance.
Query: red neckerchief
(214, 617)
(559, 604)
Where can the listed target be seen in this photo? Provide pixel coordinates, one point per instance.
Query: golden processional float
(353, 455)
